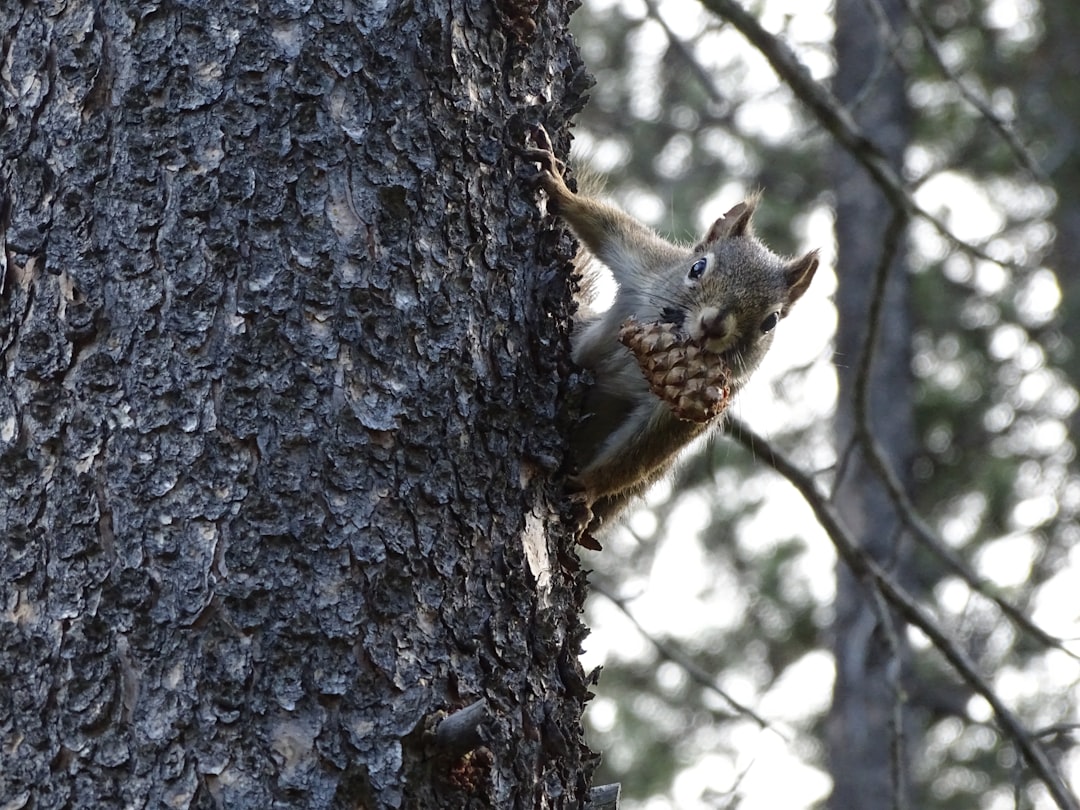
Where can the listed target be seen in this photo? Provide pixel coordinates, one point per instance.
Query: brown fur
(724, 289)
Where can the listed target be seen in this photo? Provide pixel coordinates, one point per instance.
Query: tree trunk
(279, 408)
(867, 770)
(1049, 93)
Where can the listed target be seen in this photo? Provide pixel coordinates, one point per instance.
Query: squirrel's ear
(735, 222)
(798, 273)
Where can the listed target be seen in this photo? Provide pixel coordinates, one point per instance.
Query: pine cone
(694, 382)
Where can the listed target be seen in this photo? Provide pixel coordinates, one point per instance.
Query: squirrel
(728, 291)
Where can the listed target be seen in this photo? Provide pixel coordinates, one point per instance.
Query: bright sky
(681, 585)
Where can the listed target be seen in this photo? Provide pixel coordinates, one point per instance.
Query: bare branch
(866, 569)
(1002, 128)
(823, 104)
(876, 456)
(832, 115)
(894, 673)
(892, 43)
(604, 797)
(932, 47)
(461, 732)
(687, 55)
(696, 673)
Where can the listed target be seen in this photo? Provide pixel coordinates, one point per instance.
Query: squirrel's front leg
(551, 172)
(628, 248)
(638, 452)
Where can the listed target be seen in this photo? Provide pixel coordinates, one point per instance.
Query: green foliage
(664, 129)
(995, 403)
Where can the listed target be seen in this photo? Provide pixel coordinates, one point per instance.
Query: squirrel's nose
(715, 323)
(716, 327)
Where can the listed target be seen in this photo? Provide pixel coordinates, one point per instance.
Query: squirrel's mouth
(715, 328)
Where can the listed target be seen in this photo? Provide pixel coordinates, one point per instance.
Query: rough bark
(279, 407)
(861, 729)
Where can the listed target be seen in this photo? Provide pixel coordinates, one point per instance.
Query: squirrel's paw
(579, 515)
(550, 176)
(543, 153)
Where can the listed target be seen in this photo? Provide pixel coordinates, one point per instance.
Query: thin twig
(898, 767)
(838, 121)
(1004, 131)
(891, 241)
(864, 435)
(892, 43)
(867, 569)
(932, 46)
(696, 673)
(681, 48)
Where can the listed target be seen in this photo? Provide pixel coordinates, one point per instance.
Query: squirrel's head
(733, 291)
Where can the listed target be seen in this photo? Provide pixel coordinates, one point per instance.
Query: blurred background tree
(720, 610)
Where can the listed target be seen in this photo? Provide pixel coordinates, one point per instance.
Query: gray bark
(1050, 94)
(861, 729)
(278, 408)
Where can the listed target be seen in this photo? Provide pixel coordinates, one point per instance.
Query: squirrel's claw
(543, 153)
(580, 515)
(542, 139)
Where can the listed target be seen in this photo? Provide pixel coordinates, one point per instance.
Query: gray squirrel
(727, 292)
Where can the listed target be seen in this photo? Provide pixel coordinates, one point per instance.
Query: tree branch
(604, 797)
(876, 456)
(898, 755)
(1004, 131)
(867, 570)
(832, 115)
(681, 48)
(461, 732)
(696, 673)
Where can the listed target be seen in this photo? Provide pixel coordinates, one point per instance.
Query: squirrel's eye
(770, 322)
(697, 269)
